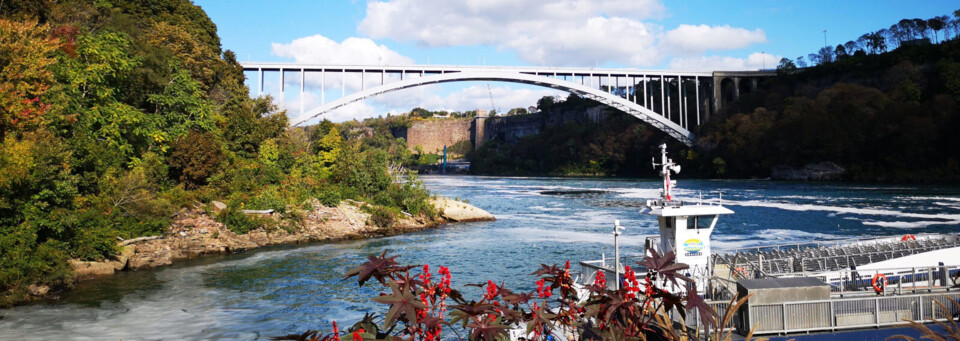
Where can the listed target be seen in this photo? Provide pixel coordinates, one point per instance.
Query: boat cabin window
(704, 222)
(669, 222)
(700, 222)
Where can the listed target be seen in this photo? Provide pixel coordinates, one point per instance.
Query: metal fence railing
(899, 280)
(849, 313)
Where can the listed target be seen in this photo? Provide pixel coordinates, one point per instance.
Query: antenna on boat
(667, 167)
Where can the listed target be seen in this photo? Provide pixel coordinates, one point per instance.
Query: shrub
(265, 199)
(96, 240)
(24, 261)
(460, 148)
(330, 195)
(364, 170)
(381, 216)
(239, 222)
(196, 156)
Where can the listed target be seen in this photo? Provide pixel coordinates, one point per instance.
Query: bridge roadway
(618, 88)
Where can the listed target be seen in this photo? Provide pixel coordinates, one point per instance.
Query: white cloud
(317, 49)
(352, 51)
(563, 33)
(755, 61)
(696, 39)
(478, 96)
(356, 110)
(472, 97)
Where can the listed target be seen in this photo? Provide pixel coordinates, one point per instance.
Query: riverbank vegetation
(882, 113)
(115, 115)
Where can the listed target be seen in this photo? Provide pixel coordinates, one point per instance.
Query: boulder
(218, 205)
(38, 290)
(124, 258)
(460, 211)
(89, 269)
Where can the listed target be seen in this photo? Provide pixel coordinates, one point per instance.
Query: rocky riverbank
(195, 232)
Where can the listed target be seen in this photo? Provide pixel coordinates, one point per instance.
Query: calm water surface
(277, 291)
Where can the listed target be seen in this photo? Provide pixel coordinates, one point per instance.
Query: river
(271, 292)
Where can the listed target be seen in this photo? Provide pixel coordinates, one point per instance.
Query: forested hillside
(114, 115)
(890, 116)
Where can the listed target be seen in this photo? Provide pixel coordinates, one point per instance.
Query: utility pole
(824, 38)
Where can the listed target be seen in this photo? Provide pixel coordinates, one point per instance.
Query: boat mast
(667, 166)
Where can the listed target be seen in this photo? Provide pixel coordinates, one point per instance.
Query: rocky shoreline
(195, 232)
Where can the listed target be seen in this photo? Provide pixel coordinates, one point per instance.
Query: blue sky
(646, 34)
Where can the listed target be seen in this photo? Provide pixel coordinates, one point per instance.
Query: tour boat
(807, 287)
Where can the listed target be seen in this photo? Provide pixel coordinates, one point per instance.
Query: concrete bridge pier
(729, 85)
(479, 131)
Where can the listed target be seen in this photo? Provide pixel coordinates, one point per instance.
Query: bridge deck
(393, 69)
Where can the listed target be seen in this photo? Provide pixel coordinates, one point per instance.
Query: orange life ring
(907, 237)
(740, 272)
(877, 279)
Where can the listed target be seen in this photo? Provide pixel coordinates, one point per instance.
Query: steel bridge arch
(611, 100)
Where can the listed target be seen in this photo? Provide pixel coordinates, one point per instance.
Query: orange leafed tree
(26, 52)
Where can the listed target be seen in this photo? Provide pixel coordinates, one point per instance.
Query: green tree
(249, 123)
(182, 106)
(328, 151)
(545, 103)
(195, 157)
(840, 52)
(195, 56)
(786, 67)
(936, 24)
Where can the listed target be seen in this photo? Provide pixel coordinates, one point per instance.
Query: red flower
(356, 335)
(600, 280)
(491, 291)
(336, 331)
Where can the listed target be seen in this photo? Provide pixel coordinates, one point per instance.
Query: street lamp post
(617, 229)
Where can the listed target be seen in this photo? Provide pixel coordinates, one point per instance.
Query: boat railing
(847, 313)
(589, 269)
(825, 243)
(802, 257)
(901, 280)
(831, 314)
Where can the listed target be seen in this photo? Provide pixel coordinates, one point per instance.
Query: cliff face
(510, 129)
(433, 135)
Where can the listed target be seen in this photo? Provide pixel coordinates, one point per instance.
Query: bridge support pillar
(479, 131)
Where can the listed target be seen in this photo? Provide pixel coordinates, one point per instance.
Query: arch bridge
(676, 102)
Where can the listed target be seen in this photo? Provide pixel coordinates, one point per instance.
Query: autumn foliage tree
(26, 53)
(195, 157)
